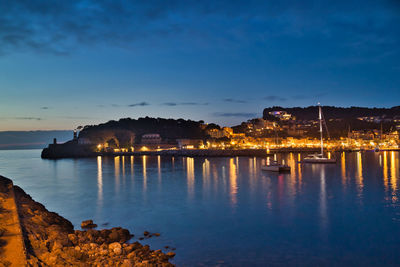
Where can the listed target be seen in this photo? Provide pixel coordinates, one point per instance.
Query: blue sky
(70, 63)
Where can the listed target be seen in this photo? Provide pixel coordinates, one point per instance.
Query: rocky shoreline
(51, 240)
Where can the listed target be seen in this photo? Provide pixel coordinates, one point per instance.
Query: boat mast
(320, 128)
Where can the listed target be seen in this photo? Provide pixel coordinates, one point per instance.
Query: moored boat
(274, 166)
(319, 158)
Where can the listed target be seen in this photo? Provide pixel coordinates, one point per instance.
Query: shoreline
(54, 153)
(48, 239)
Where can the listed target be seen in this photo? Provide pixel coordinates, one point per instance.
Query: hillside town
(277, 130)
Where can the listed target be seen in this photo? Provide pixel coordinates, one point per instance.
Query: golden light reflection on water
(144, 158)
(132, 168)
(123, 169)
(233, 188)
(99, 181)
(343, 168)
(206, 174)
(359, 175)
(299, 171)
(159, 168)
(393, 176)
(292, 182)
(385, 172)
(190, 175)
(117, 172)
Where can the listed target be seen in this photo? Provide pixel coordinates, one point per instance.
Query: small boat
(274, 166)
(319, 158)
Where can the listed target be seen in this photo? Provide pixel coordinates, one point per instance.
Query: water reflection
(132, 169)
(206, 175)
(233, 181)
(190, 175)
(99, 181)
(144, 158)
(159, 168)
(322, 200)
(393, 176)
(343, 168)
(299, 171)
(385, 172)
(359, 176)
(123, 168)
(117, 172)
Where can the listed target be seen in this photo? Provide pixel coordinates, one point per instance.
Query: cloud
(172, 104)
(307, 96)
(27, 118)
(275, 98)
(235, 114)
(59, 27)
(44, 108)
(231, 100)
(140, 104)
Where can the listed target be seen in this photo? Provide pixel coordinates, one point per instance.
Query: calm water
(226, 211)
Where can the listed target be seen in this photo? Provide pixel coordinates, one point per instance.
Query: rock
(117, 251)
(145, 233)
(114, 245)
(57, 246)
(171, 254)
(88, 224)
(73, 238)
(156, 234)
(131, 255)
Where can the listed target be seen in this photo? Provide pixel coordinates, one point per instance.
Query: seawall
(12, 246)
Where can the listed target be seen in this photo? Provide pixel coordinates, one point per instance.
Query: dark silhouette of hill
(331, 112)
(169, 129)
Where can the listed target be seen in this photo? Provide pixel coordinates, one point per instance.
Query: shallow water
(226, 211)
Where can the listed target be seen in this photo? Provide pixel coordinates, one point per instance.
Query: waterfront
(226, 210)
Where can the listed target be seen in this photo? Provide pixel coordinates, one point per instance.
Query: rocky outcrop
(70, 149)
(52, 241)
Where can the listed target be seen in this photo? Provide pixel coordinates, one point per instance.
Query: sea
(227, 211)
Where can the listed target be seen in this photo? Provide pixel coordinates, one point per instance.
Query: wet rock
(145, 233)
(171, 254)
(88, 224)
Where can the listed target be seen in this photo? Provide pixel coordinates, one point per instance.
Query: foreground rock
(52, 241)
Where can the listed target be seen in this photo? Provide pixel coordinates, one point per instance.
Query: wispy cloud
(140, 104)
(45, 108)
(172, 104)
(235, 114)
(275, 98)
(308, 96)
(231, 100)
(27, 118)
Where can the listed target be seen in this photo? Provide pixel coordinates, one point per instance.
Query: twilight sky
(77, 62)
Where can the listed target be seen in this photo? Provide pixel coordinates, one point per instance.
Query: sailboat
(319, 158)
